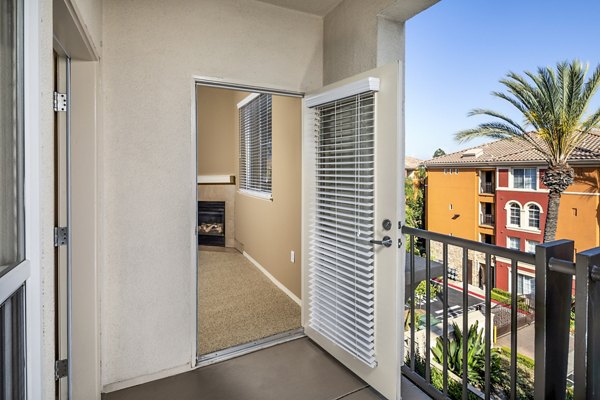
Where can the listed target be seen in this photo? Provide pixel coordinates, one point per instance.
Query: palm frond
(552, 101)
(491, 113)
(494, 130)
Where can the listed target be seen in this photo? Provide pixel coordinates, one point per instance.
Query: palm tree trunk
(557, 178)
(552, 216)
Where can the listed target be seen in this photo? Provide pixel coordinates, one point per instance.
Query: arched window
(515, 214)
(534, 216)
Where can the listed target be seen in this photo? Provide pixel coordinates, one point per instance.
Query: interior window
(256, 144)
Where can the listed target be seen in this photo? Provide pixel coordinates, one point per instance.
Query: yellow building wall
(578, 216)
(459, 190)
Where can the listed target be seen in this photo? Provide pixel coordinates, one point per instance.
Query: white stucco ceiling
(316, 7)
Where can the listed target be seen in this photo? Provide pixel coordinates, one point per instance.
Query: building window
(525, 284)
(256, 145)
(515, 214)
(533, 212)
(524, 178)
(513, 243)
(530, 246)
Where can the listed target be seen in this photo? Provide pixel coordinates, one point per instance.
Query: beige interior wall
(152, 49)
(268, 230)
(216, 113)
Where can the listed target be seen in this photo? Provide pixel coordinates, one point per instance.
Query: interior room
(249, 216)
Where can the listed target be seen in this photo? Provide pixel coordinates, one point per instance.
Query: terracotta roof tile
(514, 151)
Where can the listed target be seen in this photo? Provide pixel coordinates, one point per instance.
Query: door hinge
(60, 101)
(399, 243)
(60, 235)
(61, 369)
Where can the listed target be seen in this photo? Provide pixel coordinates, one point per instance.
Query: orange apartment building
(494, 193)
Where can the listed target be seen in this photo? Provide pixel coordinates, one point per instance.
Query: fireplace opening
(211, 223)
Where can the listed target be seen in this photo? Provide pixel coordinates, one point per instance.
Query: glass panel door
(13, 268)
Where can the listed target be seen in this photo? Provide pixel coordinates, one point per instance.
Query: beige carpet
(237, 303)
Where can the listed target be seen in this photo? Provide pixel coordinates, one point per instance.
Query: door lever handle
(385, 241)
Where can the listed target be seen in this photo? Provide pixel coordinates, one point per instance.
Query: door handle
(386, 241)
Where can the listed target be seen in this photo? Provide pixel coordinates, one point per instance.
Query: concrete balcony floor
(296, 370)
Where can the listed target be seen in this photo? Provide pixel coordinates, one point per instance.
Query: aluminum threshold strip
(242, 349)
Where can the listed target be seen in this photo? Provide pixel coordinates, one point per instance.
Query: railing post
(587, 325)
(552, 313)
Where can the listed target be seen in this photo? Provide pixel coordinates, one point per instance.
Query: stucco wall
(90, 13)
(459, 190)
(151, 49)
(360, 35)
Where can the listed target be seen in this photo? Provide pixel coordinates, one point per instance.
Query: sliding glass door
(14, 269)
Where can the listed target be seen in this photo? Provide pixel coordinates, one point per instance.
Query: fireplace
(211, 223)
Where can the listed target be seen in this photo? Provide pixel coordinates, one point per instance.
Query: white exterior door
(353, 154)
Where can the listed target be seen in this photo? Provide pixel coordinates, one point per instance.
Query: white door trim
(33, 299)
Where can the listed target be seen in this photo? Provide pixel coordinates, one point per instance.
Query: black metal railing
(487, 219)
(488, 187)
(548, 311)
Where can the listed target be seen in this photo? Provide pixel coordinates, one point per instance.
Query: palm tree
(554, 104)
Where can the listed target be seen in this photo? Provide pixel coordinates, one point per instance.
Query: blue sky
(457, 50)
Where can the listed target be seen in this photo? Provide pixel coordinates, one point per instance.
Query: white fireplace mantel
(216, 179)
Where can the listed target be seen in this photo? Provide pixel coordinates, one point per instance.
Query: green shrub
(475, 356)
(504, 297)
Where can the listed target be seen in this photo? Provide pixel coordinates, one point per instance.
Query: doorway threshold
(240, 350)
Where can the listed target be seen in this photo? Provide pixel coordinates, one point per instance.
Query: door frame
(33, 292)
(341, 89)
(231, 84)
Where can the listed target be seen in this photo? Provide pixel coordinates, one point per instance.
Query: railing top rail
(564, 266)
(491, 249)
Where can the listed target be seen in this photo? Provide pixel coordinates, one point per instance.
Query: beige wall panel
(217, 136)
(269, 230)
(46, 173)
(90, 12)
(86, 324)
(151, 50)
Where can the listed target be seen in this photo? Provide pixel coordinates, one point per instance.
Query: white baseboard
(273, 279)
(112, 387)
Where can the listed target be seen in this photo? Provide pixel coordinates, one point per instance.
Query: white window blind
(256, 146)
(341, 255)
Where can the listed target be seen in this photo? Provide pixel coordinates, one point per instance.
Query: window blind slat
(256, 145)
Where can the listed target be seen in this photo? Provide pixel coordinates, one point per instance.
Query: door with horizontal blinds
(352, 153)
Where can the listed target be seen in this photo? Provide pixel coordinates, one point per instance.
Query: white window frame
(524, 217)
(28, 272)
(527, 215)
(249, 191)
(508, 240)
(511, 178)
(509, 216)
(530, 245)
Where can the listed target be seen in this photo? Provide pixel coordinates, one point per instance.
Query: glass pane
(12, 346)
(11, 137)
